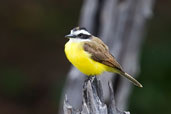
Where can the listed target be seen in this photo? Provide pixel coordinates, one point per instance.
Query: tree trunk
(121, 25)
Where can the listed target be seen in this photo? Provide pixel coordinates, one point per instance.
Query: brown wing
(100, 53)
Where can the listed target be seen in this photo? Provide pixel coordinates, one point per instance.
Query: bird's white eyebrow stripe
(80, 31)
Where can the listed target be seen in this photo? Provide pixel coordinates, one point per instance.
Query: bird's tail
(129, 77)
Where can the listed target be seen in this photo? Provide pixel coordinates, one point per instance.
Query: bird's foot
(90, 78)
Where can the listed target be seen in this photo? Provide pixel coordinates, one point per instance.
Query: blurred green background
(155, 97)
(33, 66)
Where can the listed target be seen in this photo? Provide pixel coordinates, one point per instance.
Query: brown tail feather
(130, 78)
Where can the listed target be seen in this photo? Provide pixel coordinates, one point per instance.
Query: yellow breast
(81, 59)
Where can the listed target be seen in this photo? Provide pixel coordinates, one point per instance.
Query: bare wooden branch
(93, 102)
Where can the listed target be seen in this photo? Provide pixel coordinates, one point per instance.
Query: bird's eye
(80, 35)
(83, 36)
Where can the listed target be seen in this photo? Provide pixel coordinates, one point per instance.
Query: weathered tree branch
(93, 102)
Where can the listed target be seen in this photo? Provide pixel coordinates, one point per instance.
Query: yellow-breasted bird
(91, 56)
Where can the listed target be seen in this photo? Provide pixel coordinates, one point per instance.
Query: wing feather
(100, 53)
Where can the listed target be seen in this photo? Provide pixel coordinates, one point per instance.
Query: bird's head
(79, 33)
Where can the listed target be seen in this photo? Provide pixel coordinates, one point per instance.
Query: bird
(91, 56)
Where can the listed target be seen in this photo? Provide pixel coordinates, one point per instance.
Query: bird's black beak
(70, 36)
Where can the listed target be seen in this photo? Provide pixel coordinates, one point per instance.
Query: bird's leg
(90, 78)
(93, 76)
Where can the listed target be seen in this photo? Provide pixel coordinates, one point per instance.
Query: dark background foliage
(155, 97)
(33, 66)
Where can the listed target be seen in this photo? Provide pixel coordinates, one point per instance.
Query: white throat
(78, 40)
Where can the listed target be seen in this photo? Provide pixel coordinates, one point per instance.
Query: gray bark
(93, 102)
(121, 25)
